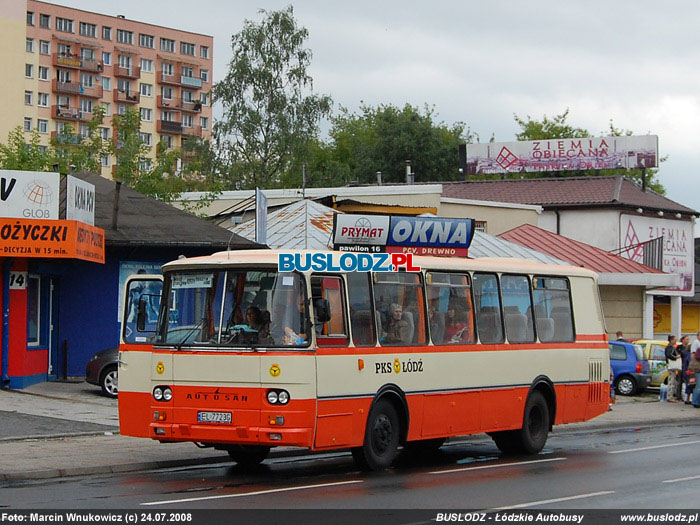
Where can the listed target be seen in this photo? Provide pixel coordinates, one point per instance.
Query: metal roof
(485, 245)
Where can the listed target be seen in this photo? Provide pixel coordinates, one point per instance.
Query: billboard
(29, 194)
(678, 246)
(593, 153)
(80, 200)
(397, 234)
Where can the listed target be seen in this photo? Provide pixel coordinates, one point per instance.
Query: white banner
(29, 194)
(678, 246)
(593, 153)
(80, 200)
(364, 230)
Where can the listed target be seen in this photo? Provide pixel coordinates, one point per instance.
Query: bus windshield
(235, 307)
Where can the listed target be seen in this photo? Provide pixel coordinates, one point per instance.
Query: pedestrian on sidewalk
(673, 365)
(620, 337)
(694, 365)
(684, 349)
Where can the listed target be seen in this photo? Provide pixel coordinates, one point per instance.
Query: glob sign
(395, 234)
(29, 194)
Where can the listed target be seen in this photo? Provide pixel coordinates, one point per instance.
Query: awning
(84, 43)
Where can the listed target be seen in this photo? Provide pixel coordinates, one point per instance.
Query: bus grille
(596, 381)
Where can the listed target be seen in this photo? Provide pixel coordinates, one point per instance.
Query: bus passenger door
(139, 323)
(330, 324)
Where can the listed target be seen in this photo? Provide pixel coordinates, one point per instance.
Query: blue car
(631, 372)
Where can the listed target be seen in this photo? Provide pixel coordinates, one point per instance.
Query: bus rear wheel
(248, 456)
(532, 437)
(381, 444)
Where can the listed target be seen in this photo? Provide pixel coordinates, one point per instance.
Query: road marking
(497, 466)
(652, 447)
(680, 479)
(256, 493)
(555, 500)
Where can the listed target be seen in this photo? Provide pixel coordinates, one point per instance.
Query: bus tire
(248, 456)
(381, 444)
(532, 437)
(505, 441)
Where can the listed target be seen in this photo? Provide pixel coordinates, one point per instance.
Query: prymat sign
(563, 154)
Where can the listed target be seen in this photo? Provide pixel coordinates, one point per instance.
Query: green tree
(18, 154)
(80, 153)
(128, 148)
(383, 138)
(556, 127)
(269, 112)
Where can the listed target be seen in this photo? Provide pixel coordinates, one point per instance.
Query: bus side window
(516, 303)
(327, 291)
(401, 304)
(361, 312)
(488, 308)
(450, 309)
(553, 315)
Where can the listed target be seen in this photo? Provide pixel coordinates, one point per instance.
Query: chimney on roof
(379, 178)
(121, 16)
(409, 174)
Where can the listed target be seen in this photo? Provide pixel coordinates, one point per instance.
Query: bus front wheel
(381, 443)
(248, 456)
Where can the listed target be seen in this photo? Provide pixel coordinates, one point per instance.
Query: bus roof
(269, 258)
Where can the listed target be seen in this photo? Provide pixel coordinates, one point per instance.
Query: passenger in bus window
(254, 319)
(396, 330)
(454, 326)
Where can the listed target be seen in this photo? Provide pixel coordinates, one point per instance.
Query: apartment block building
(60, 63)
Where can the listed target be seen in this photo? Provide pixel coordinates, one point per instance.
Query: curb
(280, 453)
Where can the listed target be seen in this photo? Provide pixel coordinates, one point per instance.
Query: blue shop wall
(89, 294)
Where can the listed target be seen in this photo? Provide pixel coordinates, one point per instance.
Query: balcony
(195, 131)
(194, 106)
(164, 78)
(74, 88)
(127, 72)
(75, 62)
(71, 140)
(191, 81)
(129, 98)
(67, 113)
(166, 126)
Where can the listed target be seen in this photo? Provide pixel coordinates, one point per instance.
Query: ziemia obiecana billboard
(395, 234)
(597, 153)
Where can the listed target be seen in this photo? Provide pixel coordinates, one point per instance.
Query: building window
(167, 92)
(29, 70)
(65, 50)
(86, 105)
(146, 65)
(167, 116)
(63, 101)
(188, 121)
(27, 123)
(145, 138)
(186, 48)
(104, 133)
(42, 125)
(204, 75)
(43, 73)
(187, 71)
(168, 139)
(204, 99)
(84, 131)
(144, 164)
(30, 18)
(64, 76)
(87, 80)
(204, 122)
(187, 96)
(106, 33)
(204, 51)
(125, 37)
(106, 83)
(64, 24)
(42, 100)
(106, 58)
(108, 108)
(146, 90)
(146, 115)
(45, 21)
(44, 47)
(146, 41)
(88, 29)
(167, 45)
(124, 61)
(87, 54)
(121, 109)
(33, 310)
(28, 96)
(480, 226)
(168, 69)
(30, 45)
(105, 160)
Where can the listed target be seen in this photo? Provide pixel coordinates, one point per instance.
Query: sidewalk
(61, 429)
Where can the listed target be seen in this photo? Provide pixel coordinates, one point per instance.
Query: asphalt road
(648, 468)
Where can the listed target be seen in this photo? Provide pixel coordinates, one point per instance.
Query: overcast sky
(635, 62)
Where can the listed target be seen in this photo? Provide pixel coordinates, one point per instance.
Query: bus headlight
(158, 393)
(167, 394)
(283, 397)
(272, 397)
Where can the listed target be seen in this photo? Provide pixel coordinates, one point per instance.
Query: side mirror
(322, 310)
(141, 314)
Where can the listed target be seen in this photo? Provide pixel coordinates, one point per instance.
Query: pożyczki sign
(29, 223)
(395, 234)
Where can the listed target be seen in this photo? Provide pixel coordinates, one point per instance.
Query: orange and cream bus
(245, 358)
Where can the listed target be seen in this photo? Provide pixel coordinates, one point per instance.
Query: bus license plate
(214, 417)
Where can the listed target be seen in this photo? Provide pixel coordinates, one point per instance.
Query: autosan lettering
(345, 262)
